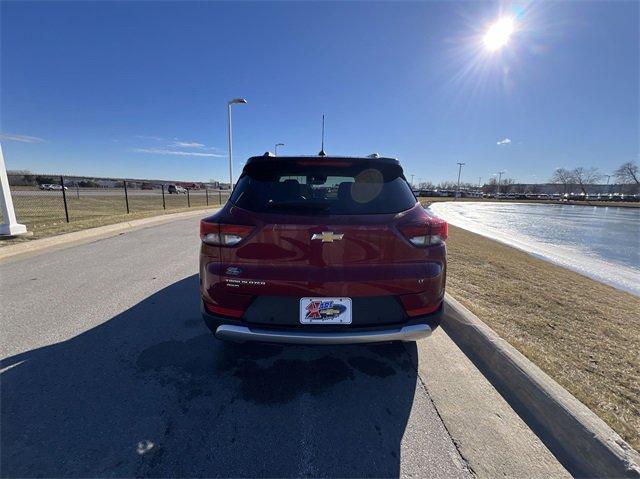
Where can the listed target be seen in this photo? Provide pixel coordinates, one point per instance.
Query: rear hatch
(329, 228)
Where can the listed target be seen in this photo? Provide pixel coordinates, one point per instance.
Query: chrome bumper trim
(230, 332)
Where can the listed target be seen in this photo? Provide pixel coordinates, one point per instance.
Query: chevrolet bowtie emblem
(327, 236)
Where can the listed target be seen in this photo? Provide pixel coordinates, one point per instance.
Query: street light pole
(412, 181)
(231, 102)
(275, 150)
(459, 171)
(499, 180)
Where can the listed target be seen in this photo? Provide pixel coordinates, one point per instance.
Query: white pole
(230, 148)
(10, 227)
(459, 171)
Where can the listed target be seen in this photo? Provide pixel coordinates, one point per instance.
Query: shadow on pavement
(150, 392)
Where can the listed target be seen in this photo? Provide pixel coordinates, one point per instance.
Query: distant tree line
(446, 185)
(492, 186)
(506, 184)
(571, 180)
(26, 178)
(581, 177)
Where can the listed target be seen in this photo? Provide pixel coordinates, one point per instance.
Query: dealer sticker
(325, 310)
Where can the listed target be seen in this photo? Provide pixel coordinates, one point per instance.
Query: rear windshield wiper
(298, 205)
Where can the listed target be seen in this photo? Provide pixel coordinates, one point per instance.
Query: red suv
(322, 250)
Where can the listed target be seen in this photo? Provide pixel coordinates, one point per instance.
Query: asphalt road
(107, 370)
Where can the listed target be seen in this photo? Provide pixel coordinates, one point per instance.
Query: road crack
(463, 460)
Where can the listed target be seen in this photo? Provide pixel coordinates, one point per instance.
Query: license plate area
(325, 310)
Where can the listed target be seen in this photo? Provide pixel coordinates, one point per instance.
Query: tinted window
(329, 187)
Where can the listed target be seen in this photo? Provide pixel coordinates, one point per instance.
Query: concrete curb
(578, 438)
(69, 239)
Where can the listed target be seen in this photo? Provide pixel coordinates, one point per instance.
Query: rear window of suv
(334, 187)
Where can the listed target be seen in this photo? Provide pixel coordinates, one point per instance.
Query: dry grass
(584, 334)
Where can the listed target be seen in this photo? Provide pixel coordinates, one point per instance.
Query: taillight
(223, 235)
(439, 230)
(431, 232)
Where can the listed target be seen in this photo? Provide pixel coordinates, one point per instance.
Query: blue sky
(139, 89)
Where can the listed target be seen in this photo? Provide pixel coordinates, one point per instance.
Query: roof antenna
(322, 153)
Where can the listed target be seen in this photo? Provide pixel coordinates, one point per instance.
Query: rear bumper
(238, 330)
(237, 333)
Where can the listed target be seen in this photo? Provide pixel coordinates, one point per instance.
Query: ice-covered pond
(600, 242)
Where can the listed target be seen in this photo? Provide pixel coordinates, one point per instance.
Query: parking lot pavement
(107, 370)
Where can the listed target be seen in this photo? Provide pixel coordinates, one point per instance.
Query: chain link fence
(44, 200)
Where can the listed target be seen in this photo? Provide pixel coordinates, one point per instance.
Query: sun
(499, 34)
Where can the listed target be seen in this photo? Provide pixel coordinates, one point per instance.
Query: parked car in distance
(49, 187)
(176, 189)
(322, 250)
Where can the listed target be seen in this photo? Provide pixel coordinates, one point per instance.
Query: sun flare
(499, 34)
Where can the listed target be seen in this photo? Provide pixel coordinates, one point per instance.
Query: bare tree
(583, 177)
(490, 187)
(563, 177)
(506, 185)
(447, 185)
(520, 188)
(425, 185)
(628, 173)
